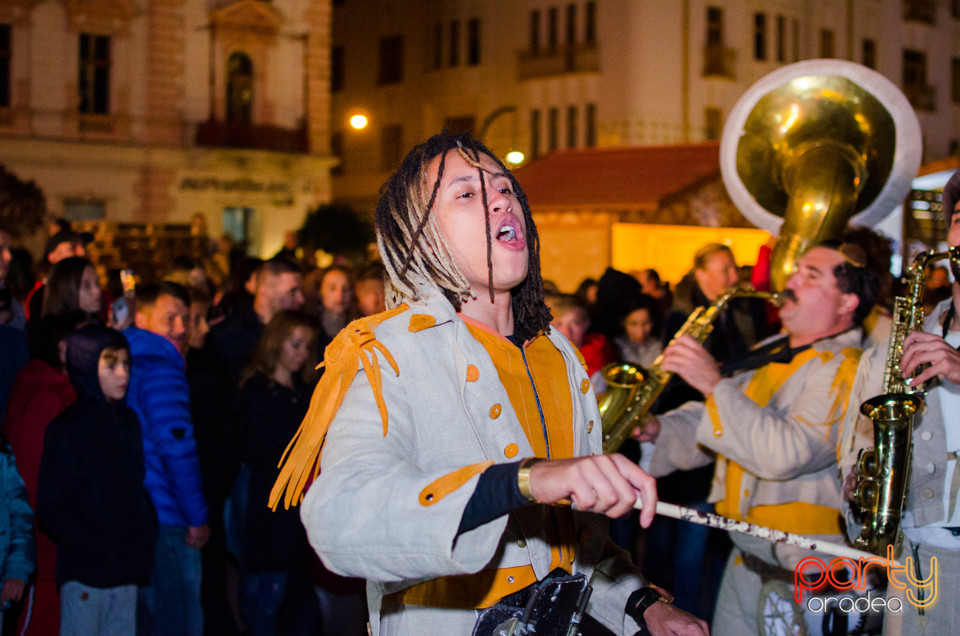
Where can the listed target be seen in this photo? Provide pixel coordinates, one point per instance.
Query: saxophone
(882, 471)
(633, 389)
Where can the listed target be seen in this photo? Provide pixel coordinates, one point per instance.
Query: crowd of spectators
(206, 370)
(220, 366)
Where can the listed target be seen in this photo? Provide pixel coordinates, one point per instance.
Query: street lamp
(358, 121)
(515, 157)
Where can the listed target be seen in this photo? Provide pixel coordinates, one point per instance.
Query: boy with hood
(91, 499)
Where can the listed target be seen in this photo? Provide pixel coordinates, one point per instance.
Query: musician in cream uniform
(432, 405)
(773, 429)
(931, 520)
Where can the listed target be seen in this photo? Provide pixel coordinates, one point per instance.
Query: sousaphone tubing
(815, 146)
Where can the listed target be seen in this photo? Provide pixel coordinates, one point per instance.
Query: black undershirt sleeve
(497, 493)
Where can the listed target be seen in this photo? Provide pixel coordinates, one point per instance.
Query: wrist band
(523, 478)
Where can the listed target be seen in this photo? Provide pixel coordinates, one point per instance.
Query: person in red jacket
(41, 391)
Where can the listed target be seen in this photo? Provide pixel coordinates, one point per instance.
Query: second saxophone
(882, 470)
(633, 390)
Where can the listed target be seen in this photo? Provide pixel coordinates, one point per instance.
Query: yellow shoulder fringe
(356, 345)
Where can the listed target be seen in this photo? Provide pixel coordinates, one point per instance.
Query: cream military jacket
(388, 501)
(787, 447)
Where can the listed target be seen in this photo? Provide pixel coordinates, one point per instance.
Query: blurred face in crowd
(591, 294)
(638, 325)
(647, 284)
(197, 326)
(198, 277)
(573, 324)
(276, 292)
(296, 349)
(335, 292)
(114, 371)
(250, 285)
(168, 317)
(289, 291)
(718, 274)
(89, 294)
(5, 255)
(65, 250)
(370, 297)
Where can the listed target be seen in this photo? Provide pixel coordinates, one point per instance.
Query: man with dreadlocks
(451, 422)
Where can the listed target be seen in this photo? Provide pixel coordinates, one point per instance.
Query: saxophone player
(773, 428)
(931, 519)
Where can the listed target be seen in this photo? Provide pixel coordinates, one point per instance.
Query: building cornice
(107, 17)
(247, 16)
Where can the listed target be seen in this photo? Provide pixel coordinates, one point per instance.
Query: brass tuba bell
(813, 146)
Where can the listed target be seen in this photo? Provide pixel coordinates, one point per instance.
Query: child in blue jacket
(16, 532)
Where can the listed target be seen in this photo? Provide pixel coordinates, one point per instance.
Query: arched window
(239, 89)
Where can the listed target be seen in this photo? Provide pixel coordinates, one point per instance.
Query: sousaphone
(814, 146)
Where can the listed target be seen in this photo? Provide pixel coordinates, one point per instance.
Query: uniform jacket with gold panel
(397, 473)
(786, 445)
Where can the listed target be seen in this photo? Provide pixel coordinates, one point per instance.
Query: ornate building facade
(539, 76)
(170, 112)
(545, 77)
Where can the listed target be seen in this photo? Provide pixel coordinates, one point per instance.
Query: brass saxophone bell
(622, 380)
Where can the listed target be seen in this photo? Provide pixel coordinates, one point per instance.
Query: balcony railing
(97, 123)
(252, 136)
(920, 11)
(718, 61)
(577, 58)
(922, 97)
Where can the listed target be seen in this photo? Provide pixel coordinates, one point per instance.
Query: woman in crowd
(73, 284)
(336, 306)
(40, 392)
(641, 340)
(274, 395)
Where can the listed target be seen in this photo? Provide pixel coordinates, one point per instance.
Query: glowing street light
(515, 157)
(358, 122)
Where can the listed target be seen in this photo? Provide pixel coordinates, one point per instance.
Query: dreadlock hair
(415, 252)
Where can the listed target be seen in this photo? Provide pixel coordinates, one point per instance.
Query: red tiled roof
(635, 177)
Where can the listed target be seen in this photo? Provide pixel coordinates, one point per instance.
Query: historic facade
(538, 76)
(543, 77)
(157, 111)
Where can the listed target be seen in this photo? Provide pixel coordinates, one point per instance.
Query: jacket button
(927, 493)
(511, 451)
(510, 579)
(585, 385)
(926, 435)
(590, 426)
(495, 411)
(473, 374)
(931, 468)
(521, 542)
